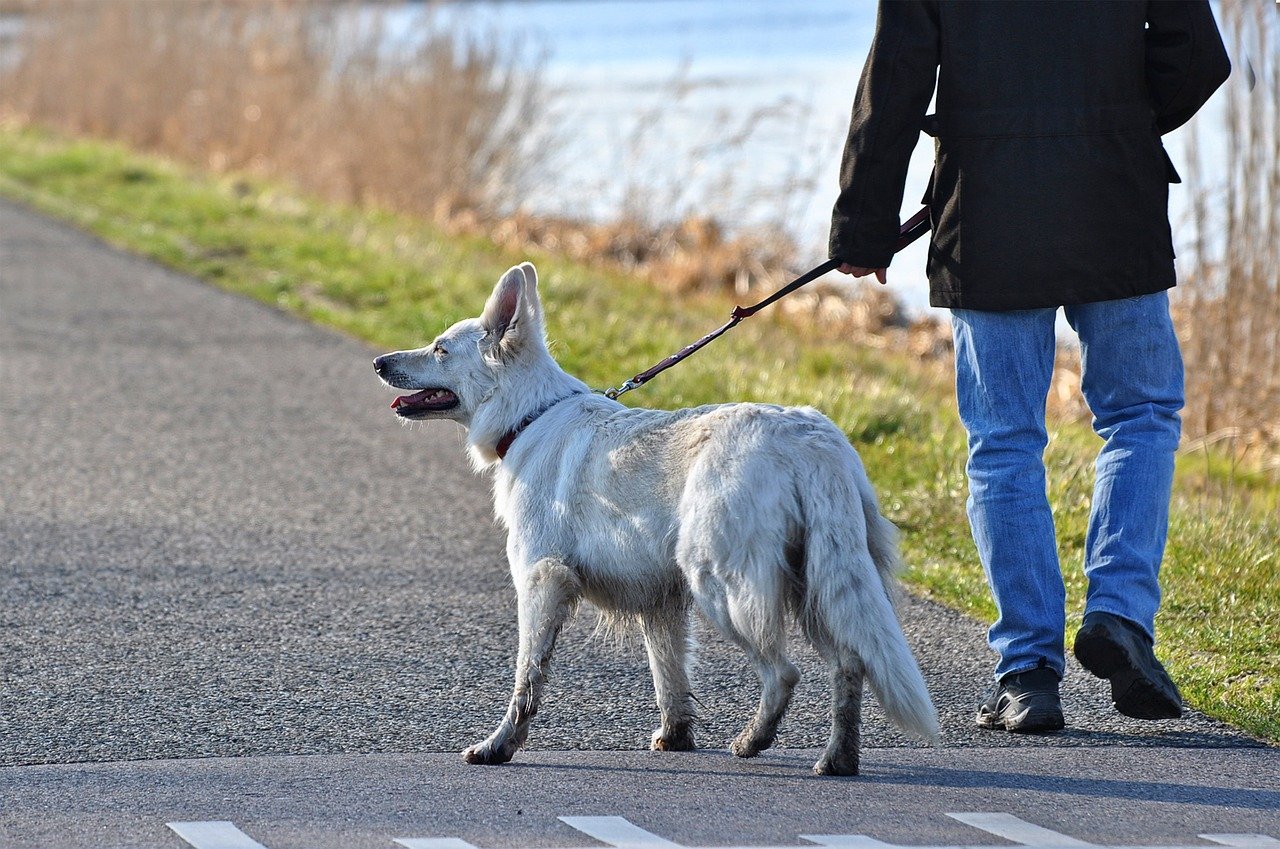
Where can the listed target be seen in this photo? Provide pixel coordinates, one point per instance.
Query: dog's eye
(440, 352)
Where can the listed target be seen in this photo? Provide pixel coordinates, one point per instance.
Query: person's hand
(857, 271)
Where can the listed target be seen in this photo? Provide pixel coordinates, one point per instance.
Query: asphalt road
(1103, 795)
(217, 542)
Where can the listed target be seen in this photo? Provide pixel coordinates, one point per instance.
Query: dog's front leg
(546, 593)
(666, 636)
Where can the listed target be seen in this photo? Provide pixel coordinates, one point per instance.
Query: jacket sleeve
(1186, 60)
(888, 113)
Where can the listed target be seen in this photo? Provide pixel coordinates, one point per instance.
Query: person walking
(1049, 190)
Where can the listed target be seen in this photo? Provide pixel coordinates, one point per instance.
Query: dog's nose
(380, 364)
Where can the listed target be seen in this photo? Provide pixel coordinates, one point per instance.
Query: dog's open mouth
(424, 403)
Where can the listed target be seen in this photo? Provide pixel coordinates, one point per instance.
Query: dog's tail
(852, 595)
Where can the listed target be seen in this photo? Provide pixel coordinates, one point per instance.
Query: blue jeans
(1132, 380)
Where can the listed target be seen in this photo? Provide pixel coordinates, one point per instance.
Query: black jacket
(1050, 184)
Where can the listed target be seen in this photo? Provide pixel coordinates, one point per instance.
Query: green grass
(395, 281)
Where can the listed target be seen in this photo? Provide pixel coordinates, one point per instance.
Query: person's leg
(1004, 364)
(1131, 376)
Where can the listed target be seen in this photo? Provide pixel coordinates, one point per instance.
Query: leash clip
(612, 394)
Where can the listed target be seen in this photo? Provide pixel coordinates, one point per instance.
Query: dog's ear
(502, 310)
(507, 317)
(531, 298)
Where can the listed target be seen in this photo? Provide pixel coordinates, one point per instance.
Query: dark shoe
(1116, 649)
(1024, 703)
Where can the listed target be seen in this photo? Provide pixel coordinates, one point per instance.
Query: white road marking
(622, 834)
(847, 841)
(1019, 831)
(618, 832)
(214, 835)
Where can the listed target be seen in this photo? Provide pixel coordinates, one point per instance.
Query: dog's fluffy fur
(752, 512)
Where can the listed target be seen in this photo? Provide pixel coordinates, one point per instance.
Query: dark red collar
(504, 444)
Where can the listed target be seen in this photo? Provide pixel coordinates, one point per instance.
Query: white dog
(752, 512)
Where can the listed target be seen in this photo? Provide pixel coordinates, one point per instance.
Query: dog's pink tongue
(410, 399)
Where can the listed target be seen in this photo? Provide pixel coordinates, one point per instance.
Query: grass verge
(395, 281)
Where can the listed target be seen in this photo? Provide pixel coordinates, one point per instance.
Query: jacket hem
(1007, 301)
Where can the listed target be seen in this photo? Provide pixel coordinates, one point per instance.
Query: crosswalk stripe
(218, 834)
(618, 832)
(433, 843)
(1242, 841)
(847, 841)
(1018, 830)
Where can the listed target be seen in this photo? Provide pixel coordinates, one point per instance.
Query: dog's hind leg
(841, 755)
(778, 677)
(754, 622)
(847, 674)
(666, 636)
(547, 593)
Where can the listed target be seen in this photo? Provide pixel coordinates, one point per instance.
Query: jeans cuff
(1043, 663)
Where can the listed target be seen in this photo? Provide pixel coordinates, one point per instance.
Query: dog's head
(462, 368)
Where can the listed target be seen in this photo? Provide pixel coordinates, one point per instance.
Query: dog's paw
(836, 765)
(486, 754)
(672, 741)
(747, 746)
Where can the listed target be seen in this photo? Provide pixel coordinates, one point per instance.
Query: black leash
(914, 227)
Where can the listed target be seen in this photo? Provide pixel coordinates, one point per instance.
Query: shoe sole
(1135, 694)
(1041, 722)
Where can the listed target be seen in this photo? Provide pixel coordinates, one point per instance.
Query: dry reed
(1229, 309)
(316, 94)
